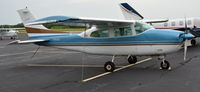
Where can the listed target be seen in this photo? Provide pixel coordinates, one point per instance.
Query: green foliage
(22, 31)
(60, 26)
(70, 29)
(55, 26)
(19, 25)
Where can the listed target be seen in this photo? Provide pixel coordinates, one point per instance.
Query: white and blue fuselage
(150, 42)
(107, 36)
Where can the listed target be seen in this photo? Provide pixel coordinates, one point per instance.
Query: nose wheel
(165, 65)
(193, 42)
(132, 59)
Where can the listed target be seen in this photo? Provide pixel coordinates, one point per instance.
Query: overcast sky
(150, 9)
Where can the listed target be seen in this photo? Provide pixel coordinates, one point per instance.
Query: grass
(62, 30)
(22, 31)
(70, 29)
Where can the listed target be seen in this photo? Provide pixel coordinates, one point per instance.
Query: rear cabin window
(189, 22)
(173, 23)
(181, 23)
(100, 33)
(122, 31)
(166, 24)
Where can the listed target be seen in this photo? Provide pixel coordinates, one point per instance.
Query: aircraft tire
(109, 66)
(193, 42)
(132, 59)
(165, 65)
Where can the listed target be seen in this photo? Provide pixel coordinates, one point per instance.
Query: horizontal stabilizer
(26, 41)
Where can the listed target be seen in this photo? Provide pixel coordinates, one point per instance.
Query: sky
(150, 9)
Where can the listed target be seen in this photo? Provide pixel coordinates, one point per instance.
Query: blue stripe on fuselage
(149, 37)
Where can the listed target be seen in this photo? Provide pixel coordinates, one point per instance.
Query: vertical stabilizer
(27, 17)
(130, 13)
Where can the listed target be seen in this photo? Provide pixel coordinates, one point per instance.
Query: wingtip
(14, 42)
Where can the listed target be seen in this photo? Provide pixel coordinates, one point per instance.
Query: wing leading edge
(82, 20)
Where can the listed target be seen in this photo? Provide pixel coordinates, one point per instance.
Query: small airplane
(113, 37)
(8, 32)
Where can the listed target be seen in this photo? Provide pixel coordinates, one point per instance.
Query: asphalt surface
(17, 76)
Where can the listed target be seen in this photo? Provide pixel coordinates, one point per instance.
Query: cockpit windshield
(141, 27)
(121, 31)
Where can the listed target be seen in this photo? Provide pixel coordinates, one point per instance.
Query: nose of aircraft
(187, 36)
(171, 35)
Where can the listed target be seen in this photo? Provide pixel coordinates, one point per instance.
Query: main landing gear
(110, 66)
(165, 65)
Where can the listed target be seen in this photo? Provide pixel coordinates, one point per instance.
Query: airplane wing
(82, 20)
(156, 21)
(26, 41)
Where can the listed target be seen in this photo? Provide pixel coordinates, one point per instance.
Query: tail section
(27, 17)
(130, 13)
(35, 30)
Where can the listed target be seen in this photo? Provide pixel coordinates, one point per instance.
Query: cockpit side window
(100, 33)
(126, 31)
(140, 27)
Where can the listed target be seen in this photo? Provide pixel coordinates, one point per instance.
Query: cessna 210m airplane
(106, 37)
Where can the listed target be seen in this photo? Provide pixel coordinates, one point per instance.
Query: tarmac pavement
(64, 72)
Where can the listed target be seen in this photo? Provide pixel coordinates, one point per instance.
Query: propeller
(186, 40)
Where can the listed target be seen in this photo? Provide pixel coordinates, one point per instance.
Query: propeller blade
(186, 40)
(185, 49)
(186, 29)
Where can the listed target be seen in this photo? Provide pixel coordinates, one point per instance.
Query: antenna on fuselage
(26, 4)
(84, 54)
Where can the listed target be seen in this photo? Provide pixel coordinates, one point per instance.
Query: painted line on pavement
(123, 67)
(20, 53)
(53, 65)
(2, 55)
